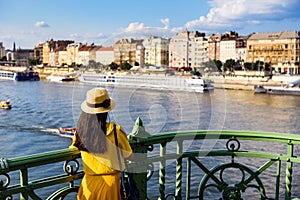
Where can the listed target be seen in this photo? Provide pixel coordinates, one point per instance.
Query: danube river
(39, 108)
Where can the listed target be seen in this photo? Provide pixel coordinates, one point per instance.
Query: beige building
(280, 49)
(200, 51)
(129, 50)
(72, 53)
(50, 45)
(156, 51)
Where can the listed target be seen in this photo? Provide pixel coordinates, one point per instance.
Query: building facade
(129, 51)
(105, 55)
(214, 46)
(50, 45)
(280, 49)
(228, 46)
(156, 51)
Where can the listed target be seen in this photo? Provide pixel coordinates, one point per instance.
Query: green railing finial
(138, 130)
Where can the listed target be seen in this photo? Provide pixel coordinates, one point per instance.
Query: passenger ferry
(26, 75)
(153, 81)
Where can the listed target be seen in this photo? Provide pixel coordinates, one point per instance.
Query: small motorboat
(5, 104)
(259, 89)
(67, 131)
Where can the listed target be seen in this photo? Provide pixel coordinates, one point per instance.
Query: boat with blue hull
(26, 75)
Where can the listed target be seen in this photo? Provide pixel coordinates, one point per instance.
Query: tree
(229, 64)
(33, 61)
(218, 64)
(4, 58)
(113, 66)
(125, 66)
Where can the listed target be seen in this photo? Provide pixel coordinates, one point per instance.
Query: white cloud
(237, 13)
(166, 22)
(135, 27)
(41, 24)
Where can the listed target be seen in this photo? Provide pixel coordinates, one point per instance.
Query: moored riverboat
(153, 81)
(26, 75)
(292, 88)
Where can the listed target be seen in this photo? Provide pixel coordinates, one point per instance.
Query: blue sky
(30, 22)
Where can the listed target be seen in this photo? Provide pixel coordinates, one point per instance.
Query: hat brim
(85, 108)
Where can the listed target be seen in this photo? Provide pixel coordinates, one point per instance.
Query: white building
(228, 50)
(187, 49)
(84, 55)
(156, 51)
(105, 55)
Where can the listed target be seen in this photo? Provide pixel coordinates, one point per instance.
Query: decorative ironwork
(231, 191)
(62, 193)
(7, 181)
(233, 145)
(69, 169)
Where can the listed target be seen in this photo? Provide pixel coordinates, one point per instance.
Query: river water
(39, 108)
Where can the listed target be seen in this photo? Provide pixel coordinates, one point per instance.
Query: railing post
(139, 168)
(289, 171)
(24, 183)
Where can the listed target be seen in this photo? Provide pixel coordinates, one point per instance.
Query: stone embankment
(248, 83)
(219, 81)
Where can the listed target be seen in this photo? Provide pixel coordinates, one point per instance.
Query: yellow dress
(102, 176)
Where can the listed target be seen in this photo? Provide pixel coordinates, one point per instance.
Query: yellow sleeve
(73, 142)
(123, 142)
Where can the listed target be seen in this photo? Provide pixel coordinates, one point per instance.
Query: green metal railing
(195, 164)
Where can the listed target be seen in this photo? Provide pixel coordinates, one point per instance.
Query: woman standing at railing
(95, 139)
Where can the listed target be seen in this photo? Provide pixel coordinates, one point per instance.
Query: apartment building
(129, 50)
(86, 53)
(214, 46)
(280, 49)
(38, 53)
(186, 49)
(58, 56)
(200, 51)
(241, 48)
(156, 51)
(228, 46)
(72, 53)
(105, 55)
(50, 45)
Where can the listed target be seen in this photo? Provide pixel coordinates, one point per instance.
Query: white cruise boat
(154, 81)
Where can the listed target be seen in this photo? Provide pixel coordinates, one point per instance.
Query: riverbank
(230, 82)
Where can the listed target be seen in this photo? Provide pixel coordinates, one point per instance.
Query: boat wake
(53, 131)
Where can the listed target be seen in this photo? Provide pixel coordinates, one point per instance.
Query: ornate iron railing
(228, 165)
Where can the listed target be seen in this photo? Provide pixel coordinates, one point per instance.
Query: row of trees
(231, 65)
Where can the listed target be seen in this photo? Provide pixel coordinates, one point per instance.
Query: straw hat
(97, 101)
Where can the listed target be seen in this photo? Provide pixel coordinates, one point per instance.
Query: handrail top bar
(219, 134)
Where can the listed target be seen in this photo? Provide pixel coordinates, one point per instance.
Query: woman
(94, 137)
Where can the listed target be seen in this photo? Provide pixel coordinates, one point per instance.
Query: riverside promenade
(232, 81)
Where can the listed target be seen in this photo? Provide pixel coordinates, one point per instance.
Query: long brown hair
(91, 132)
